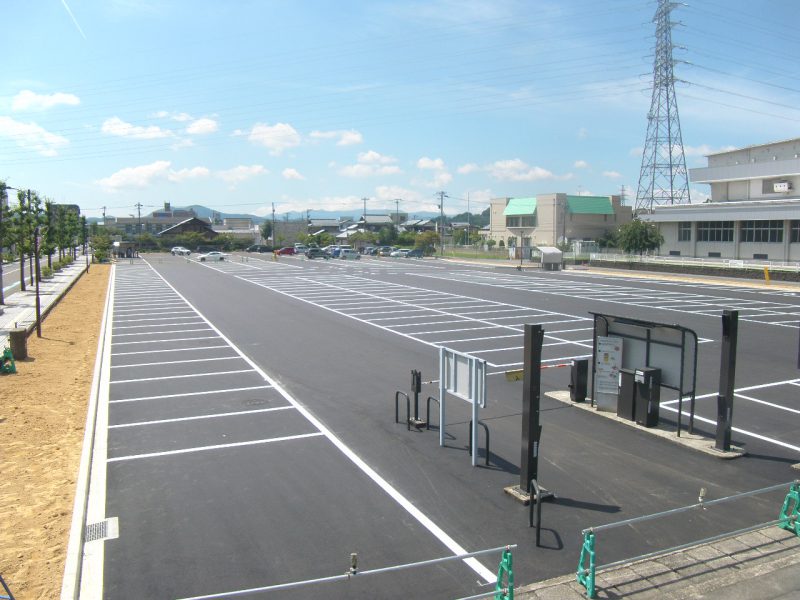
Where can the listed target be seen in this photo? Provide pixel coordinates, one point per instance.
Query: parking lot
(250, 435)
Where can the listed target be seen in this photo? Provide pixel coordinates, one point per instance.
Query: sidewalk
(760, 565)
(19, 310)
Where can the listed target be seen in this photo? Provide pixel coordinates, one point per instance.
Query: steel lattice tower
(663, 177)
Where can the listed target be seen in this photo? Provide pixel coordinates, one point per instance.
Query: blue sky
(315, 105)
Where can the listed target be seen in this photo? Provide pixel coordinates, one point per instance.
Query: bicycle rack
(397, 395)
(428, 411)
(486, 430)
(535, 516)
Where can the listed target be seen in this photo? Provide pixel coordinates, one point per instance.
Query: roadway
(251, 437)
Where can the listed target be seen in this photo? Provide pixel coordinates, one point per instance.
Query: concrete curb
(70, 586)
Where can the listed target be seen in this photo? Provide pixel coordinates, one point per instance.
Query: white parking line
(201, 417)
(184, 376)
(215, 447)
(161, 331)
(168, 350)
(207, 337)
(187, 394)
(176, 362)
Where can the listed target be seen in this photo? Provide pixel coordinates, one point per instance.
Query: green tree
(638, 237)
(427, 241)
(387, 235)
(6, 231)
(101, 244)
(266, 230)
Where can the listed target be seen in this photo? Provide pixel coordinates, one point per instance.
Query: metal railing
(353, 572)
(788, 520)
(730, 263)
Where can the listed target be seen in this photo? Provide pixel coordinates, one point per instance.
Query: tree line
(37, 225)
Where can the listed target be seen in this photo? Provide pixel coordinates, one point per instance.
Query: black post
(727, 375)
(531, 389)
(416, 388)
(38, 277)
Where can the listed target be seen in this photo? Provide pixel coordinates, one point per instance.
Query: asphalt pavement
(342, 374)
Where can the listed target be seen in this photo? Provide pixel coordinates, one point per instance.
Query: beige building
(753, 212)
(551, 219)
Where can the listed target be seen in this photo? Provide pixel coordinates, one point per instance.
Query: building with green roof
(551, 219)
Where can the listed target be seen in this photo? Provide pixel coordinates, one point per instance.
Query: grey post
(531, 390)
(727, 375)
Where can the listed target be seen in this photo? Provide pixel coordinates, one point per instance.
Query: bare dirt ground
(42, 417)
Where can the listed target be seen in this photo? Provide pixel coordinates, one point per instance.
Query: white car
(180, 251)
(400, 252)
(349, 254)
(211, 256)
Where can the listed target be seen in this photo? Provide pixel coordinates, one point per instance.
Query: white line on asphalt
(156, 319)
(177, 362)
(184, 376)
(765, 403)
(215, 447)
(168, 350)
(201, 417)
(160, 331)
(156, 325)
(742, 431)
(186, 394)
(207, 337)
(795, 381)
(478, 339)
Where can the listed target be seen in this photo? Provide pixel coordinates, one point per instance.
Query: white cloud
(698, 196)
(612, 174)
(118, 127)
(581, 164)
(704, 150)
(292, 174)
(183, 174)
(468, 168)
(181, 117)
(28, 100)
(31, 136)
(136, 177)
(202, 126)
(518, 170)
(144, 175)
(276, 138)
(241, 173)
(436, 164)
(371, 163)
(347, 137)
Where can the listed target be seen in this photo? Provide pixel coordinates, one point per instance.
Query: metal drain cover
(104, 530)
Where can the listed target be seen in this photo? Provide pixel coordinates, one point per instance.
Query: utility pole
(397, 213)
(273, 225)
(365, 211)
(441, 224)
(23, 221)
(104, 216)
(139, 225)
(469, 225)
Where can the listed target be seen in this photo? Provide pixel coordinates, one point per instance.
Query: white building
(753, 212)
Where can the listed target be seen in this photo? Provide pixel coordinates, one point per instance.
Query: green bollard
(505, 591)
(586, 574)
(790, 512)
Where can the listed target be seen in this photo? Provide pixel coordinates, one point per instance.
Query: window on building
(795, 232)
(715, 231)
(762, 231)
(674, 252)
(521, 221)
(715, 255)
(760, 256)
(685, 231)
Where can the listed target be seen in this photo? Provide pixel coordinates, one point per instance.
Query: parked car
(349, 254)
(400, 253)
(180, 251)
(300, 248)
(386, 250)
(317, 253)
(285, 250)
(367, 250)
(212, 256)
(258, 248)
(415, 253)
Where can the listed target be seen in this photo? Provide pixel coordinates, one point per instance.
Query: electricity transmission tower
(663, 178)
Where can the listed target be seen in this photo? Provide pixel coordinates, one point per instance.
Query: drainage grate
(104, 530)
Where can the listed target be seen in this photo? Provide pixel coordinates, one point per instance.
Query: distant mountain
(206, 213)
